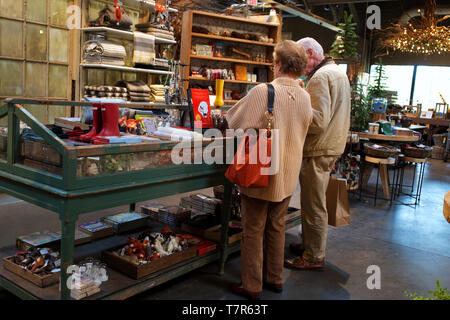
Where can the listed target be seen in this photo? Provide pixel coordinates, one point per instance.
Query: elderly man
(329, 89)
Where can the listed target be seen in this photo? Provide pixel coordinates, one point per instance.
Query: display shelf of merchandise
(227, 81)
(128, 35)
(193, 56)
(119, 286)
(123, 68)
(236, 19)
(383, 137)
(229, 39)
(152, 5)
(146, 172)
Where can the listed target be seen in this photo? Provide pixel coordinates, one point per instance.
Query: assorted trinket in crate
(39, 266)
(87, 278)
(170, 215)
(149, 253)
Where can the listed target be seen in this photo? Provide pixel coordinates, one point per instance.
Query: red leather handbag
(244, 173)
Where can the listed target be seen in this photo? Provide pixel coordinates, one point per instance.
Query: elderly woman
(264, 209)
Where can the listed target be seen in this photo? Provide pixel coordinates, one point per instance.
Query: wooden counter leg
(385, 180)
(67, 253)
(226, 213)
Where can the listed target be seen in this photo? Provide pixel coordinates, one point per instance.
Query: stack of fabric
(157, 30)
(144, 48)
(157, 93)
(138, 91)
(105, 92)
(104, 52)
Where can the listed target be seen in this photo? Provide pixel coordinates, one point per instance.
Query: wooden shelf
(210, 36)
(128, 35)
(123, 68)
(238, 19)
(231, 60)
(226, 81)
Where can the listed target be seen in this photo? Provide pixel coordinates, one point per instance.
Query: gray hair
(310, 43)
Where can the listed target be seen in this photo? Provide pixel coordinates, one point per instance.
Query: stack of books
(97, 229)
(124, 222)
(171, 215)
(201, 203)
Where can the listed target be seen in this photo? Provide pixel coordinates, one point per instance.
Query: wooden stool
(382, 166)
(399, 184)
(447, 207)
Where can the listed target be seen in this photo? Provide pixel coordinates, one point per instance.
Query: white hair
(310, 43)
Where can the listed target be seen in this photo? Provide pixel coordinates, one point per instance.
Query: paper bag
(338, 206)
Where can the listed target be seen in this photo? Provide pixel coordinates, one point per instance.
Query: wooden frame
(188, 38)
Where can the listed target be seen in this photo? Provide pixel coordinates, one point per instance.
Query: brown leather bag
(107, 18)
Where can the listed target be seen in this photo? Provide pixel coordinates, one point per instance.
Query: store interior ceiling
(328, 11)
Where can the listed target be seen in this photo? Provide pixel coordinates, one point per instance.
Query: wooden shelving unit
(193, 56)
(124, 34)
(218, 22)
(210, 36)
(226, 81)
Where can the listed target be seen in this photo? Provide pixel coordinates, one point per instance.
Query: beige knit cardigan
(292, 116)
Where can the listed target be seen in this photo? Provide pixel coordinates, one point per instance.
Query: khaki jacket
(329, 90)
(292, 116)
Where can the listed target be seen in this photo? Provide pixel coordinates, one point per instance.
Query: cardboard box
(240, 72)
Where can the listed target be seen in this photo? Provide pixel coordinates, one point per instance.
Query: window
(398, 79)
(430, 81)
(34, 52)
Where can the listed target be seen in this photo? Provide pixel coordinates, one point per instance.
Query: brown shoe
(277, 288)
(238, 289)
(302, 264)
(297, 248)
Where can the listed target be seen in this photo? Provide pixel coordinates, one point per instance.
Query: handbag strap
(270, 101)
(271, 97)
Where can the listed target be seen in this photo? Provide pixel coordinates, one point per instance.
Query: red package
(202, 109)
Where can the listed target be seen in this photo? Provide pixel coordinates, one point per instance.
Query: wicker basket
(384, 152)
(437, 153)
(414, 152)
(439, 139)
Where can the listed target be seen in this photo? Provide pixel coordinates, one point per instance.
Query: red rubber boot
(96, 124)
(110, 119)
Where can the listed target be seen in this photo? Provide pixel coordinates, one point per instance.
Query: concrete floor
(410, 245)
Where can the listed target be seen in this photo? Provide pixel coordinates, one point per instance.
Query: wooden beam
(326, 2)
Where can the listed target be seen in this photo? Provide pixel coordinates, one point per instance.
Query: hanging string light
(420, 36)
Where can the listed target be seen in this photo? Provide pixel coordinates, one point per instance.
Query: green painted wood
(41, 130)
(3, 110)
(16, 290)
(13, 137)
(51, 103)
(67, 250)
(226, 212)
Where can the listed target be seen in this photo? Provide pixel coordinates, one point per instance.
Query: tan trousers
(314, 178)
(262, 218)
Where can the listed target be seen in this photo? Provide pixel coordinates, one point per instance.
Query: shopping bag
(338, 206)
(247, 169)
(246, 173)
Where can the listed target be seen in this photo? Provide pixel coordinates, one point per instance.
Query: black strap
(270, 97)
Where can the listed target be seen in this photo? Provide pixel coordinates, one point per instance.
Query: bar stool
(382, 172)
(399, 184)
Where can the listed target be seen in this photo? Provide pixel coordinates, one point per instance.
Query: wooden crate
(138, 271)
(40, 281)
(213, 233)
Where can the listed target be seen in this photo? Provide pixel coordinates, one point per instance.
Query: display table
(435, 122)
(146, 173)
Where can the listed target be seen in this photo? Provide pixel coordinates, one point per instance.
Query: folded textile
(139, 99)
(103, 51)
(139, 94)
(144, 48)
(134, 86)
